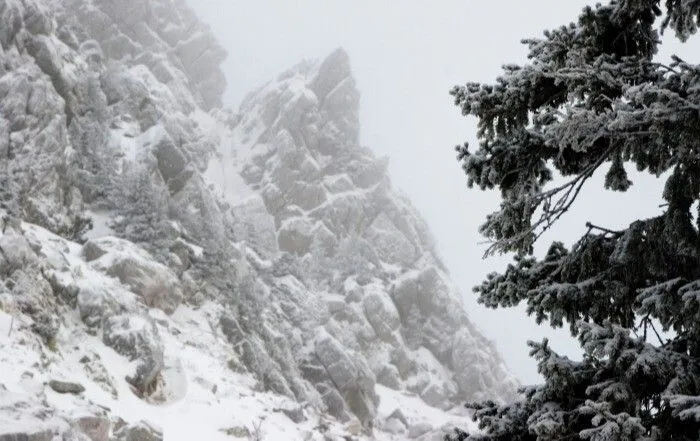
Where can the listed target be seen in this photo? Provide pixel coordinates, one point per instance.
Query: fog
(405, 57)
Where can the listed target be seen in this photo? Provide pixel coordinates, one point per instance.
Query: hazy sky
(406, 55)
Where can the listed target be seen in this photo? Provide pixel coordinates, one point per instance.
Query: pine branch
(666, 67)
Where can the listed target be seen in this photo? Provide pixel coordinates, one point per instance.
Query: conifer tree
(142, 203)
(593, 96)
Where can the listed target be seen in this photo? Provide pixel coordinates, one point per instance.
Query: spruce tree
(594, 97)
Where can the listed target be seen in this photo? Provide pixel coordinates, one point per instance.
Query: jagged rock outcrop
(273, 226)
(359, 244)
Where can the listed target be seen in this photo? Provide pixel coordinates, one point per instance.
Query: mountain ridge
(269, 233)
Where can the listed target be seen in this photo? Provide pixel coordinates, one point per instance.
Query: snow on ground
(5, 326)
(202, 398)
(223, 172)
(101, 221)
(415, 409)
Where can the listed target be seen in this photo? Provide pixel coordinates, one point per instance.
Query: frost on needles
(593, 96)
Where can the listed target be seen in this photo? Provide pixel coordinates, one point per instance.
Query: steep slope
(200, 268)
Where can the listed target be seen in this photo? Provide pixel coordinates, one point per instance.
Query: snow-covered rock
(349, 375)
(238, 262)
(136, 338)
(141, 431)
(153, 282)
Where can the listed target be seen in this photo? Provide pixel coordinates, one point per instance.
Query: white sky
(406, 55)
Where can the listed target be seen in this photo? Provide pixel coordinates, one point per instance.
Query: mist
(405, 58)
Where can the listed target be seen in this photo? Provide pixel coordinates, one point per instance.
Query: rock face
(319, 278)
(348, 237)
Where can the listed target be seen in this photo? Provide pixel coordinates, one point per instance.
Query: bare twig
(555, 209)
(655, 332)
(257, 434)
(615, 233)
(647, 323)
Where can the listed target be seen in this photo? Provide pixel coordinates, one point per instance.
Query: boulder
(92, 52)
(237, 432)
(171, 160)
(296, 414)
(34, 295)
(350, 376)
(381, 313)
(295, 236)
(297, 108)
(306, 196)
(48, 59)
(66, 387)
(398, 415)
(95, 303)
(128, 94)
(93, 250)
(119, 46)
(345, 214)
(421, 290)
(201, 55)
(28, 435)
(43, 101)
(94, 427)
(324, 240)
(369, 173)
(406, 365)
(155, 283)
(470, 381)
(334, 69)
(15, 253)
(338, 183)
(10, 22)
(337, 92)
(252, 174)
(435, 395)
(141, 431)
(37, 20)
(335, 404)
(391, 245)
(137, 338)
(394, 426)
(389, 377)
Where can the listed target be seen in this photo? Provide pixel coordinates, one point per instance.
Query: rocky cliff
(167, 260)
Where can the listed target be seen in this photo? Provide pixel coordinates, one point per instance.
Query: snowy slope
(201, 395)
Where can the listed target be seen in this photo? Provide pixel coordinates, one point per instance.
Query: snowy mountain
(175, 269)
